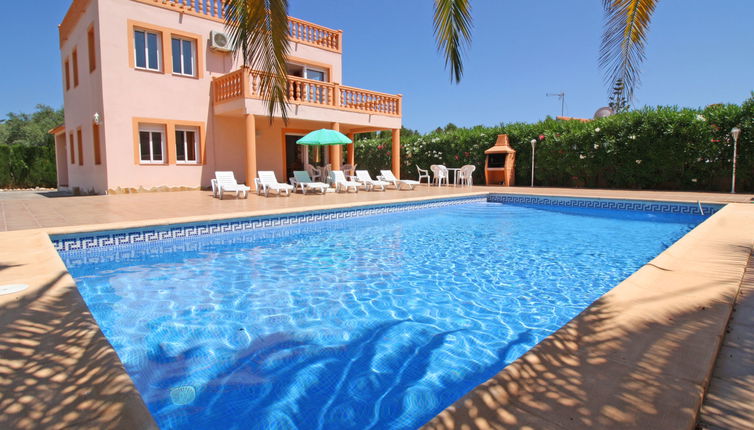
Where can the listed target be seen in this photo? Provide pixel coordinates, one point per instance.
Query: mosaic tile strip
(625, 205)
(114, 239)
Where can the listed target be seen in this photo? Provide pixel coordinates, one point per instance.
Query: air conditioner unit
(219, 41)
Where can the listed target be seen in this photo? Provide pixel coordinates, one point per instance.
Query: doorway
(294, 154)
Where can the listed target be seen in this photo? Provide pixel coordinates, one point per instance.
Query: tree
(621, 53)
(618, 100)
(30, 129)
(259, 32)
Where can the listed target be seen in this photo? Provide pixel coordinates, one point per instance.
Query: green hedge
(653, 148)
(24, 166)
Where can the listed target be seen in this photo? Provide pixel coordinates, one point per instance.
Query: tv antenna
(561, 96)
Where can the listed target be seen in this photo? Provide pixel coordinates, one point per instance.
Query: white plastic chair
(340, 182)
(268, 181)
(465, 175)
(387, 175)
(226, 182)
(423, 173)
(348, 169)
(441, 174)
(365, 178)
(303, 181)
(313, 172)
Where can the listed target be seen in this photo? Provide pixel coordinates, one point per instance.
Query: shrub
(652, 148)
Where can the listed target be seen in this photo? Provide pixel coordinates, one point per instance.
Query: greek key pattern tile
(108, 239)
(625, 205)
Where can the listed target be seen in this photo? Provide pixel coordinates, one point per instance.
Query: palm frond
(258, 30)
(452, 26)
(624, 38)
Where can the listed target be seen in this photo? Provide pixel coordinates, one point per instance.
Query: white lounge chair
(387, 175)
(338, 179)
(366, 179)
(303, 181)
(268, 181)
(225, 182)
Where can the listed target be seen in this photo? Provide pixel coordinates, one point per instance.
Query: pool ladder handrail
(699, 203)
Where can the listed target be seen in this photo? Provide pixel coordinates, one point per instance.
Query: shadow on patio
(57, 370)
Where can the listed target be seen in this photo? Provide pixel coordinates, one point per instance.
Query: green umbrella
(324, 137)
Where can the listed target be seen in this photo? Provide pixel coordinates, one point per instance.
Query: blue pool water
(374, 322)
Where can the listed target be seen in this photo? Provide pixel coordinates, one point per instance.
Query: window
(90, 43)
(186, 145)
(151, 144)
(147, 50)
(73, 151)
(67, 75)
(75, 60)
(183, 56)
(95, 142)
(80, 147)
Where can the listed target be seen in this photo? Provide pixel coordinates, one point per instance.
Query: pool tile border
(613, 204)
(116, 238)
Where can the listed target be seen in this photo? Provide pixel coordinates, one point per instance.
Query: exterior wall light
(97, 118)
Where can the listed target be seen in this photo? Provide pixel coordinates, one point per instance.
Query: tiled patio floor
(21, 214)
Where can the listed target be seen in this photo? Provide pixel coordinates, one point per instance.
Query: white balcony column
(396, 152)
(335, 150)
(251, 149)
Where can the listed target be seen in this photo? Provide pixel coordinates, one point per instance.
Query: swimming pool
(373, 322)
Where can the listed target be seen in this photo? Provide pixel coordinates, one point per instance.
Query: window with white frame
(151, 144)
(184, 54)
(186, 145)
(147, 54)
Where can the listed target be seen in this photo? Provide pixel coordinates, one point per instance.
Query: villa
(154, 98)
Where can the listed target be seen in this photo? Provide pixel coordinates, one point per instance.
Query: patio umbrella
(324, 137)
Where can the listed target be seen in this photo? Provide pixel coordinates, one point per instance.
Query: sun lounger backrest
(267, 177)
(302, 176)
(363, 176)
(338, 176)
(388, 175)
(225, 178)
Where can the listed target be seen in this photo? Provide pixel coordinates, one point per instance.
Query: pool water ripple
(375, 322)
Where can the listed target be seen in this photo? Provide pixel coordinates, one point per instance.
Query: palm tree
(624, 38)
(259, 31)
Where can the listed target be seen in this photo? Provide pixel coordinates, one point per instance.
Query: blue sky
(700, 52)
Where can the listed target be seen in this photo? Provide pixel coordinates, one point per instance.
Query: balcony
(300, 31)
(245, 84)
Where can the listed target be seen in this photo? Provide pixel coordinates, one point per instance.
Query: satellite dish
(603, 112)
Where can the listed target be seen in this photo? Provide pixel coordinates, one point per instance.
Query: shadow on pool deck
(639, 357)
(57, 370)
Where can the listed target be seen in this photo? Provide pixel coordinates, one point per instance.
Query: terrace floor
(640, 357)
(58, 213)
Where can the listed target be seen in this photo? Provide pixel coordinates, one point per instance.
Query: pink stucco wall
(82, 102)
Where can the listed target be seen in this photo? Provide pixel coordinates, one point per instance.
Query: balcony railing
(300, 31)
(246, 83)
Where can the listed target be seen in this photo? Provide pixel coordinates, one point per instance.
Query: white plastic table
(455, 171)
